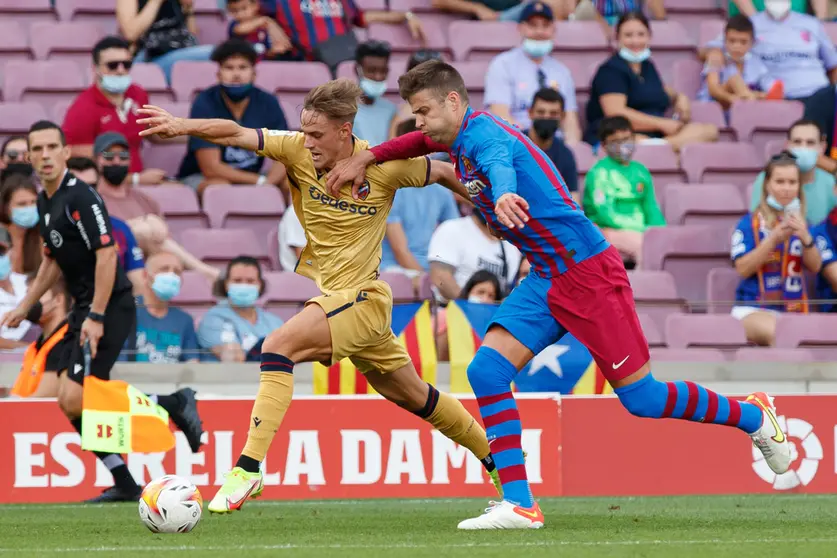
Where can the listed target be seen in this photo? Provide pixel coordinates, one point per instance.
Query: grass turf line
(685, 527)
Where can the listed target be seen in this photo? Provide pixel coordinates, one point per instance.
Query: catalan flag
(558, 368)
(592, 382)
(118, 418)
(413, 324)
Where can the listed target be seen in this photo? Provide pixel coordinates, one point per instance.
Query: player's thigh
(523, 325)
(403, 386)
(594, 301)
(303, 338)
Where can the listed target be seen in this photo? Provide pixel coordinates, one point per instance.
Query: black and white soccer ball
(170, 504)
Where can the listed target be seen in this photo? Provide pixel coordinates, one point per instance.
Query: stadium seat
(688, 252)
(100, 12)
(710, 30)
(43, 81)
(711, 112)
(427, 12)
(653, 333)
(707, 330)
(656, 295)
(398, 36)
(176, 109)
(59, 110)
(212, 30)
(195, 295)
(720, 289)
(287, 292)
(748, 121)
(670, 42)
(584, 159)
(806, 330)
(582, 78)
(243, 206)
(481, 40)
(26, 12)
(372, 4)
(686, 76)
(14, 43)
(704, 204)
(189, 77)
(664, 354)
(426, 287)
(166, 156)
(770, 354)
(292, 110)
(662, 162)
(737, 163)
(691, 14)
(180, 208)
(473, 74)
(218, 246)
(581, 41)
(152, 79)
(272, 241)
(291, 80)
(774, 147)
(65, 41)
(16, 118)
(401, 285)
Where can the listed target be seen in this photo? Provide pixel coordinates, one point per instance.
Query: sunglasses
(111, 155)
(14, 155)
(114, 65)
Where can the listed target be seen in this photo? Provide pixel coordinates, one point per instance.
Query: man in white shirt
(291, 239)
(461, 247)
(12, 290)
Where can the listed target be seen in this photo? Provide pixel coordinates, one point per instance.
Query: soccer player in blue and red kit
(578, 284)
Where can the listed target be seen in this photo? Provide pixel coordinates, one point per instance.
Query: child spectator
(263, 32)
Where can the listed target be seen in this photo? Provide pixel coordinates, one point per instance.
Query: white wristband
(135, 179)
(262, 179)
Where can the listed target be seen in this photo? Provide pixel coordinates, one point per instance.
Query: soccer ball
(170, 504)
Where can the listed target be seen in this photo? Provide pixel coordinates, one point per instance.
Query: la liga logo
(806, 454)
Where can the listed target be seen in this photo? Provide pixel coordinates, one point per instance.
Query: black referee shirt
(74, 223)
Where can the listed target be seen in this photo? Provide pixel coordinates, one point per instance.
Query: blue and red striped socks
(652, 398)
(490, 375)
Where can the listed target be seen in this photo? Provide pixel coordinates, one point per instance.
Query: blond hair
(783, 159)
(336, 99)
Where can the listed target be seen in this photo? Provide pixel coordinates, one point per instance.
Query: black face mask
(24, 169)
(35, 313)
(115, 174)
(545, 128)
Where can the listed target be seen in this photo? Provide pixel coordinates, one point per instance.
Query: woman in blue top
(234, 329)
(771, 248)
(628, 84)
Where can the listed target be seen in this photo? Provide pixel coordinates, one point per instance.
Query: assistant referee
(78, 243)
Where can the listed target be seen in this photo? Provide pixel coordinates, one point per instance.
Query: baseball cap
(537, 9)
(107, 140)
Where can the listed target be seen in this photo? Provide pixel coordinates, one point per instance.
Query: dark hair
(45, 125)
(234, 47)
(237, 1)
(612, 124)
(548, 95)
(782, 159)
(9, 140)
(111, 41)
(380, 49)
(438, 76)
(406, 127)
(482, 276)
(806, 122)
(632, 16)
(32, 244)
(219, 289)
(81, 164)
(740, 23)
(422, 55)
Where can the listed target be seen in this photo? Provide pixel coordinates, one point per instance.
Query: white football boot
(769, 438)
(505, 515)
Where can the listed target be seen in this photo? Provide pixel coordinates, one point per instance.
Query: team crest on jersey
(363, 191)
(469, 168)
(640, 187)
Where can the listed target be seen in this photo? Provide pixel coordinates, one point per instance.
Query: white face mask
(777, 9)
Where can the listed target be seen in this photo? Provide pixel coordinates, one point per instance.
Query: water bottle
(228, 340)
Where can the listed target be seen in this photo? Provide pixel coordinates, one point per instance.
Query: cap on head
(107, 140)
(537, 9)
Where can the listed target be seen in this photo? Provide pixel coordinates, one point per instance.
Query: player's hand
(160, 122)
(92, 331)
(351, 170)
(13, 318)
(511, 211)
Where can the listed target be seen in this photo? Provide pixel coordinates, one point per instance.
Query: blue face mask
(116, 84)
(371, 88)
(806, 158)
(634, 57)
(237, 93)
(166, 285)
(537, 49)
(25, 217)
(793, 205)
(242, 294)
(5, 267)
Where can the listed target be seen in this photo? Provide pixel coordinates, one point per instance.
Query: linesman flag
(118, 418)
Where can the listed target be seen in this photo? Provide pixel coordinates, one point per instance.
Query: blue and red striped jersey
(492, 158)
(307, 23)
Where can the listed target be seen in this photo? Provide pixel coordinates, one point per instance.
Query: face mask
(793, 205)
(477, 299)
(35, 313)
(537, 49)
(237, 93)
(777, 9)
(371, 88)
(23, 169)
(25, 217)
(545, 128)
(5, 267)
(635, 57)
(116, 84)
(806, 158)
(242, 294)
(166, 286)
(114, 174)
(622, 152)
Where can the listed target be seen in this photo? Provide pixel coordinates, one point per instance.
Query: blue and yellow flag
(413, 324)
(565, 367)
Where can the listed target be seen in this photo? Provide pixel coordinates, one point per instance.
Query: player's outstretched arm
(444, 174)
(161, 123)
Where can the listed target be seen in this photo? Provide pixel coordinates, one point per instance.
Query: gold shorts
(360, 321)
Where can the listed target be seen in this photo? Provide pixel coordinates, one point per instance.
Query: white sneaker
(769, 438)
(505, 515)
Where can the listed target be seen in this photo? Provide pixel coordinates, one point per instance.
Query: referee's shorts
(119, 325)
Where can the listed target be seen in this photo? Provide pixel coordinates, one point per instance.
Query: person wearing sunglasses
(109, 105)
(13, 158)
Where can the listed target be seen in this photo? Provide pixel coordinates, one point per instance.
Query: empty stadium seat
(180, 208)
(16, 118)
(43, 81)
(288, 287)
(218, 246)
(401, 285)
(737, 163)
(711, 112)
(710, 30)
(653, 333)
(581, 41)
(189, 77)
(773, 147)
(272, 241)
(166, 156)
(686, 76)
(292, 110)
(656, 295)
(662, 162)
(704, 204)
(65, 41)
(806, 330)
(151, 78)
(670, 42)
(254, 207)
(100, 12)
(584, 159)
(692, 14)
(664, 354)
(26, 12)
(14, 43)
(770, 354)
(291, 80)
(707, 330)
(195, 296)
(720, 289)
(482, 40)
(399, 38)
(473, 74)
(748, 120)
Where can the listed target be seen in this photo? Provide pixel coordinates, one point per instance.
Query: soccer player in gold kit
(352, 318)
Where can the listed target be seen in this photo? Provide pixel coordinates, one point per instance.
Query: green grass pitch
(682, 527)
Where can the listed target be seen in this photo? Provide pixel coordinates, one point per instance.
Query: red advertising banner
(335, 447)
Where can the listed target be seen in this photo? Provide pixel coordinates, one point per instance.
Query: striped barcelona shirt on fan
(307, 23)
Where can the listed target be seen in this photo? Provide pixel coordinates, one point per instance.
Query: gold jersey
(344, 235)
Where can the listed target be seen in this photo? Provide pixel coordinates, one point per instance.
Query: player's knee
(282, 343)
(646, 398)
(486, 371)
(69, 401)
